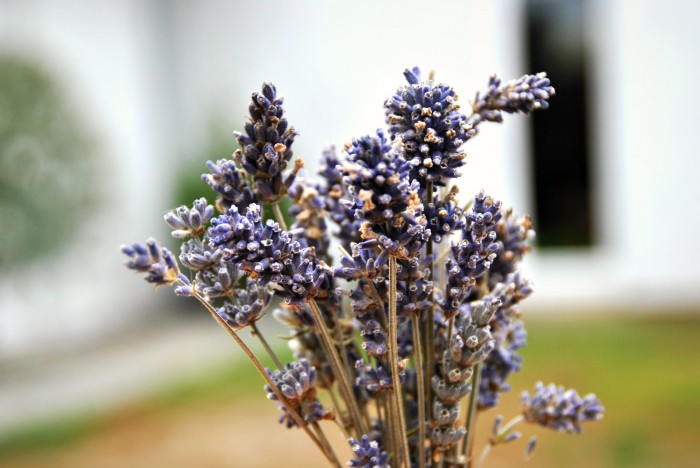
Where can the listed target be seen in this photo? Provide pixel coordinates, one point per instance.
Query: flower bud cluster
(158, 264)
(229, 182)
(297, 384)
(270, 255)
(309, 227)
(266, 145)
(515, 236)
(376, 175)
(334, 192)
(368, 454)
(190, 222)
(425, 116)
(526, 94)
(473, 256)
(471, 344)
(245, 307)
(444, 216)
(560, 409)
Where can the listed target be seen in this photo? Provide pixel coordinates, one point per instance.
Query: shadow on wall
(47, 164)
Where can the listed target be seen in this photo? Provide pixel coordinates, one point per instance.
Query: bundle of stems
(417, 327)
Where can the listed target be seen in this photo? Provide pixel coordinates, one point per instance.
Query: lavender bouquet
(416, 328)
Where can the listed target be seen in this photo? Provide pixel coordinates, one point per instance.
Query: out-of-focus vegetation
(47, 164)
(645, 371)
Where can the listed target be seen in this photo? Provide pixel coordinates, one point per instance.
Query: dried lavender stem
(471, 416)
(270, 352)
(292, 412)
(278, 215)
(337, 365)
(421, 390)
(399, 419)
(430, 317)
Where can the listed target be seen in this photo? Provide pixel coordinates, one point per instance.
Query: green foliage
(47, 164)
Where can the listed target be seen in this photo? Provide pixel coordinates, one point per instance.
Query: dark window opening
(560, 151)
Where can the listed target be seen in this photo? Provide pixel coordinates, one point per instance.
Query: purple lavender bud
(474, 254)
(560, 409)
(525, 95)
(511, 437)
(425, 117)
(245, 307)
(372, 380)
(377, 178)
(297, 384)
(368, 454)
(446, 438)
(514, 236)
(308, 209)
(189, 222)
(531, 446)
(154, 260)
(445, 415)
(450, 392)
(229, 182)
(266, 145)
(444, 217)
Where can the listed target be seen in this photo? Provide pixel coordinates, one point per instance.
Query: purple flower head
(271, 255)
(199, 255)
(560, 409)
(334, 193)
(444, 216)
(310, 220)
(377, 177)
(229, 182)
(158, 264)
(445, 415)
(525, 95)
(221, 280)
(297, 384)
(372, 380)
(425, 116)
(189, 222)
(474, 254)
(500, 364)
(266, 145)
(514, 236)
(245, 307)
(444, 438)
(368, 454)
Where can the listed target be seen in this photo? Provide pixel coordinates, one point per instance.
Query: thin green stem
(471, 416)
(421, 390)
(256, 332)
(292, 411)
(498, 438)
(400, 424)
(278, 215)
(338, 370)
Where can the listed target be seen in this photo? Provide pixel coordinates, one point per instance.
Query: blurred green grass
(646, 371)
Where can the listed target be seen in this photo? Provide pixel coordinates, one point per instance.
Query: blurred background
(110, 109)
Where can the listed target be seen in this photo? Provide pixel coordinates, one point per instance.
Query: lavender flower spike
(297, 383)
(188, 222)
(525, 95)
(266, 145)
(368, 454)
(560, 409)
(159, 264)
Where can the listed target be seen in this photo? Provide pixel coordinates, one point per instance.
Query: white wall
(149, 76)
